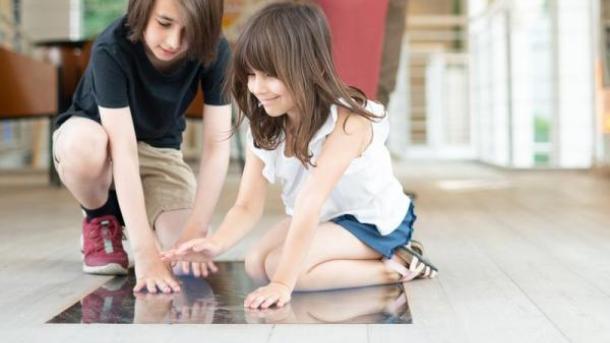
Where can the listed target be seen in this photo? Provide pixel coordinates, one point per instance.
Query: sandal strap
(412, 254)
(406, 274)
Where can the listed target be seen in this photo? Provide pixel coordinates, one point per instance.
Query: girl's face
(271, 93)
(164, 33)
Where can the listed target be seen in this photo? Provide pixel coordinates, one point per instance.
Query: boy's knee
(84, 152)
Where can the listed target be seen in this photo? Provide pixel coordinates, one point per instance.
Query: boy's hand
(265, 297)
(152, 274)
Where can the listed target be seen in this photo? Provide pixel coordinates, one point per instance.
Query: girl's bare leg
(255, 258)
(347, 262)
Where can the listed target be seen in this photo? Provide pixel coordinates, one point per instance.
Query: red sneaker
(102, 247)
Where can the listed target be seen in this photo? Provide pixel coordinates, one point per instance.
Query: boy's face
(272, 93)
(164, 33)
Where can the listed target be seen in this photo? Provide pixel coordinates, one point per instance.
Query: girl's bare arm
(339, 150)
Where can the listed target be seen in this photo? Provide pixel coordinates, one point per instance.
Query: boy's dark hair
(291, 41)
(202, 24)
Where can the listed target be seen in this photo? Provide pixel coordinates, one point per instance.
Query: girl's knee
(272, 261)
(304, 283)
(255, 265)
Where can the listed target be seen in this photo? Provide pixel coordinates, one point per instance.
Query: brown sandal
(410, 265)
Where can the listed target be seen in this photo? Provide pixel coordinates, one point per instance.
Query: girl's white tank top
(368, 190)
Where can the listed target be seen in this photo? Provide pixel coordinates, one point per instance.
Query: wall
(52, 20)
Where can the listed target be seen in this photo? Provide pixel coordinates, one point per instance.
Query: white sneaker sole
(109, 269)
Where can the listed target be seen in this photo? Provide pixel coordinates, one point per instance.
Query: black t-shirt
(120, 74)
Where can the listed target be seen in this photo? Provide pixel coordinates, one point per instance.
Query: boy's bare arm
(151, 272)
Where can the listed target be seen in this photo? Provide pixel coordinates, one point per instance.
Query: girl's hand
(185, 267)
(195, 250)
(265, 297)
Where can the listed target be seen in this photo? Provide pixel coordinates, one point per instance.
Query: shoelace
(105, 229)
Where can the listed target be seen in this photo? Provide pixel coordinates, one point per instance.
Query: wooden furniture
(29, 90)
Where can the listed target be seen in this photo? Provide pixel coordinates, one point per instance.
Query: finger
(283, 301)
(212, 267)
(139, 287)
(250, 303)
(249, 299)
(151, 287)
(196, 270)
(269, 301)
(172, 284)
(258, 301)
(162, 286)
(185, 267)
(247, 302)
(204, 269)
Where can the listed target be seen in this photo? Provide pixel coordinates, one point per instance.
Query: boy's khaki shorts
(167, 181)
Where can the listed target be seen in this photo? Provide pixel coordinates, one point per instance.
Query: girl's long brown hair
(291, 41)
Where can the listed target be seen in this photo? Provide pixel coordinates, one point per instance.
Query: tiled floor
(219, 300)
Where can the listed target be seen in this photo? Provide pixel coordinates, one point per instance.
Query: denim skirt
(369, 235)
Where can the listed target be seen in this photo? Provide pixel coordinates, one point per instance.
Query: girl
(124, 129)
(324, 142)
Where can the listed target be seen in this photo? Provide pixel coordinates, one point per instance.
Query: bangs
(257, 50)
